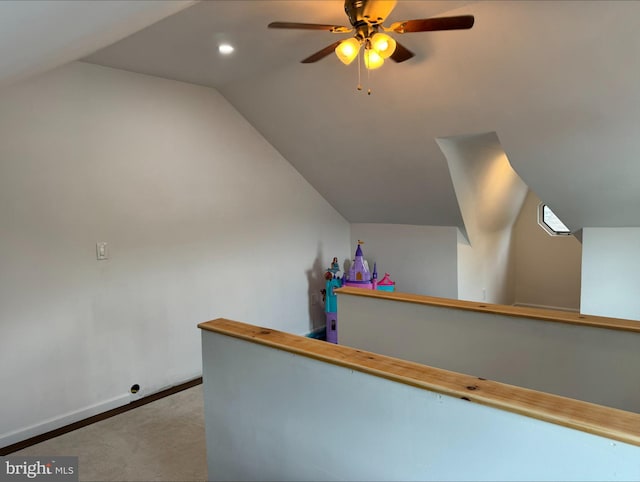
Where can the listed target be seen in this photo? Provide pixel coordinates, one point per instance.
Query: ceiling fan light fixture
(367, 18)
(372, 59)
(225, 49)
(348, 50)
(383, 44)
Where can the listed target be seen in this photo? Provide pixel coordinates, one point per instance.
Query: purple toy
(358, 276)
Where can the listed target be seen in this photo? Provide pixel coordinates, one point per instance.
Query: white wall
(611, 272)
(203, 219)
(547, 268)
(581, 362)
(273, 415)
(490, 195)
(420, 259)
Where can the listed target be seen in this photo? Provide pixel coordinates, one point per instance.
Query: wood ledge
(588, 417)
(519, 311)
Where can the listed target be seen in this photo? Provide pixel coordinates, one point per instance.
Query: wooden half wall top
(519, 311)
(595, 419)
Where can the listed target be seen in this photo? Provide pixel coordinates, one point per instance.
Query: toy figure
(335, 266)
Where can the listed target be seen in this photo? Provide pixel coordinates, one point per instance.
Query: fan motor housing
(371, 12)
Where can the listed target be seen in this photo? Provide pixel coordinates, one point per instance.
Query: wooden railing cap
(507, 310)
(588, 417)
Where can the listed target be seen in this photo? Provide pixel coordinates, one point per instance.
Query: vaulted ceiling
(556, 81)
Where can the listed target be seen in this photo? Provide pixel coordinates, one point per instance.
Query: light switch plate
(102, 251)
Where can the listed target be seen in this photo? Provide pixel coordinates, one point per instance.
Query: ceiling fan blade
(401, 53)
(432, 24)
(321, 54)
(311, 26)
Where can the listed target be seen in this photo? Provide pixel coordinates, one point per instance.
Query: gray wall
(420, 259)
(591, 364)
(202, 216)
(273, 415)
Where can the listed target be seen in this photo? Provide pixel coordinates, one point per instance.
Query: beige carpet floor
(160, 441)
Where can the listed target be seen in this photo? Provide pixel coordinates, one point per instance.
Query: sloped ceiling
(39, 35)
(557, 81)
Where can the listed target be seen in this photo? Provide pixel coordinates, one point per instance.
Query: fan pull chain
(360, 64)
(359, 84)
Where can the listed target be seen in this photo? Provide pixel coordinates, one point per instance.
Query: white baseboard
(546, 307)
(45, 426)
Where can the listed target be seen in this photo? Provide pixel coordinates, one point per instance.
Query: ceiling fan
(366, 18)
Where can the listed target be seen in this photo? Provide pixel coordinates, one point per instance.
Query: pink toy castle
(359, 275)
(386, 284)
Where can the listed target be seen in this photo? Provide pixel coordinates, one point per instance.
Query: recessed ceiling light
(225, 49)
